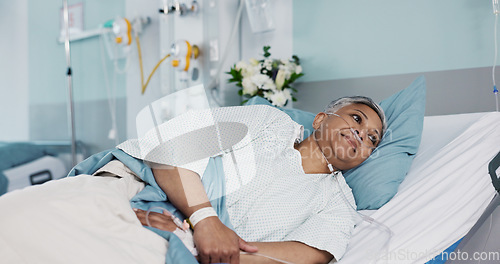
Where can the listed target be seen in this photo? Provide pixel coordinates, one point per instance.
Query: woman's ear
(318, 119)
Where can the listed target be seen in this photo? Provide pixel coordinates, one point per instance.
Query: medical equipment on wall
(123, 31)
(181, 9)
(118, 35)
(183, 54)
(116, 40)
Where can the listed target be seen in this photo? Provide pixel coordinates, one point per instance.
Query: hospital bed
(444, 194)
(447, 189)
(29, 163)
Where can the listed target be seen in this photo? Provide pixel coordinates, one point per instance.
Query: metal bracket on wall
(179, 8)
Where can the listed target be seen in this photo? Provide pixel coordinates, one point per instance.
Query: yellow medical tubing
(129, 31)
(143, 86)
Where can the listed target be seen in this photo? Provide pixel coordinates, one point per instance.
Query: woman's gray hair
(335, 105)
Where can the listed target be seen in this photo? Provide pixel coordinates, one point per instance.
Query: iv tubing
(495, 90)
(496, 52)
(176, 220)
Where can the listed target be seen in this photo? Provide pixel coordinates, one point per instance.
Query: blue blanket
(152, 195)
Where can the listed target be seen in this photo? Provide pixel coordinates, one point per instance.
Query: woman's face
(336, 135)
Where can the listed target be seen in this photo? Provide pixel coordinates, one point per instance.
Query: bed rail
(492, 167)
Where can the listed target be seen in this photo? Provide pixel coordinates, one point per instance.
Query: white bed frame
(35, 172)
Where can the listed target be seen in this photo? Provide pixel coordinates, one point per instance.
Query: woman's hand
(216, 243)
(156, 220)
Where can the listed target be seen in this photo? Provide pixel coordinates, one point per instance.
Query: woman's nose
(358, 134)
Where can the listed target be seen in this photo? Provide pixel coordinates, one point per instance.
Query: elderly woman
(293, 205)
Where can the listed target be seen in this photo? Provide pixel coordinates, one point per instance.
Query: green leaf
(266, 51)
(295, 76)
(240, 92)
(244, 101)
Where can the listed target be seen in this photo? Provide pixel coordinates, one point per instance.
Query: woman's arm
(290, 251)
(214, 241)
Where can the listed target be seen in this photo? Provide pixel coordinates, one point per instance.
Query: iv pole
(71, 112)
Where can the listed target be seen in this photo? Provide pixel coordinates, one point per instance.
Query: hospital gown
(269, 196)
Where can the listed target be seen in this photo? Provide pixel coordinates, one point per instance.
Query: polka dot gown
(269, 197)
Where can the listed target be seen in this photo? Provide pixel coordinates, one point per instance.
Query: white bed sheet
(83, 219)
(443, 195)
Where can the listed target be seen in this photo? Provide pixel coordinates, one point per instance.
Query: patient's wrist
(201, 214)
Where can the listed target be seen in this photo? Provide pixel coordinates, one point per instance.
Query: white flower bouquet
(268, 78)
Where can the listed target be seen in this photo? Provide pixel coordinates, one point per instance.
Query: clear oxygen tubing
(212, 87)
(335, 173)
(495, 90)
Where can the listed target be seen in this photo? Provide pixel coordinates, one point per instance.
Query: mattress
(445, 192)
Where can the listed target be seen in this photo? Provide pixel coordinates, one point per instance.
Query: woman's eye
(373, 139)
(357, 118)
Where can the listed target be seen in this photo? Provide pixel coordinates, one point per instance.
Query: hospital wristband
(201, 214)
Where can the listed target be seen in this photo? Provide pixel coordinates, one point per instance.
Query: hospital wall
(34, 97)
(14, 90)
(373, 48)
(35, 92)
(376, 48)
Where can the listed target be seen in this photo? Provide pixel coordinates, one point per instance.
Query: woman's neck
(313, 160)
